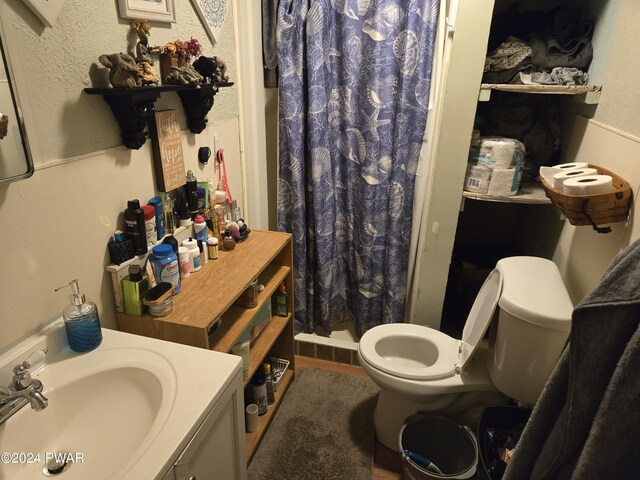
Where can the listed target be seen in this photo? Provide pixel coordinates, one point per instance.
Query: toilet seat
(417, 352)
(428, 354)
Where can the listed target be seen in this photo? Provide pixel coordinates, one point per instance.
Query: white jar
(194, 254)
(183, 261)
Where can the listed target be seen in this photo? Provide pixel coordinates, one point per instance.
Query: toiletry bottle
(194, 254)
(156, 202)
(191, 190)
(204, 254)
(200, 228)
(228, 242)
(183, 210)
(81, 321)
(183, 261)
(167, 208)
(165, 266)
(202, 195)
(212, 247)
(134, 286)
(271, 396)
(171, 240)
(259, 391)
(150, 225)
(281, 301)
(134, 226)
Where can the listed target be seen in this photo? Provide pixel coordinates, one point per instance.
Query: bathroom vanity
(132, 408)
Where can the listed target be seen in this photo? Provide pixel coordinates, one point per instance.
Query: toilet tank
(534, 320)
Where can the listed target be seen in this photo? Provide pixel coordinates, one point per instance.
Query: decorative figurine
(123, 69)
(221, 70)
(185, 75)
(148, 74)
(207, 67)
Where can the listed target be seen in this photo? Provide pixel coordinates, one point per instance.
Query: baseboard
(324, 351)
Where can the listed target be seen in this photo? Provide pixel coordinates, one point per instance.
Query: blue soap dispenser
(81, 321)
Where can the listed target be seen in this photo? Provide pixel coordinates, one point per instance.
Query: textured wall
(55, 64)
(56, 224)
(620, 102)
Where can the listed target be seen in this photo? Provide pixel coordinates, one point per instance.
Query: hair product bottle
(134, 226)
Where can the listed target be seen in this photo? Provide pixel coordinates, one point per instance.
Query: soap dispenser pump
(81, 321)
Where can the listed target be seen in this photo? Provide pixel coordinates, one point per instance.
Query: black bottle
(191, 190)
(134, 226)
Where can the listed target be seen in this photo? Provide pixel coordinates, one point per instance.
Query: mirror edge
(20, 118)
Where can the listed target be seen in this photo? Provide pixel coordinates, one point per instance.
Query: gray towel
(586, 422)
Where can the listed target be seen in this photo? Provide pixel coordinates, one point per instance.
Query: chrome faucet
(23, 390)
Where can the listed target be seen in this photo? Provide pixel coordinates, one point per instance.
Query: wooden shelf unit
(210, 294)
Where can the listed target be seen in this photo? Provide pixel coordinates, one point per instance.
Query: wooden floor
(386, 462)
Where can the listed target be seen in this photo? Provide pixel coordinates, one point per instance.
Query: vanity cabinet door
(217, 450)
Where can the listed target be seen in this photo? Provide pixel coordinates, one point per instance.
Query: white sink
(124, 410)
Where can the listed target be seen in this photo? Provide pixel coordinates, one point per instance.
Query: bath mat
(322, 430)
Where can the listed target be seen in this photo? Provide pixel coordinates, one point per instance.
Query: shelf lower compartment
(236, 319)
(262, 344)
(253, 439)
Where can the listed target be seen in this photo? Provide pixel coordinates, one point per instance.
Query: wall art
(47, 11)
(211, 13)
(152, 10)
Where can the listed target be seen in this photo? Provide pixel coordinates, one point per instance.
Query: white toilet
(420, 369)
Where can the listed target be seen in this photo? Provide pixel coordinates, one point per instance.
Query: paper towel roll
(559, 178)
(503, 182)
(588, 185)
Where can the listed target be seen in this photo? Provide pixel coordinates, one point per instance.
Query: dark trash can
(434, 447)
(499, 429)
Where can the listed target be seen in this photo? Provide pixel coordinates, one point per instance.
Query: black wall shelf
(133, 107)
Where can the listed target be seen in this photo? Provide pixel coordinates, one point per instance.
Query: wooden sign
(167, 150)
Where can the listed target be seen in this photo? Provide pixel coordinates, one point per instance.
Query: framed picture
(211, 13)
(152, 10)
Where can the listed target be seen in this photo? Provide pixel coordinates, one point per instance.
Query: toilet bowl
(420, 369)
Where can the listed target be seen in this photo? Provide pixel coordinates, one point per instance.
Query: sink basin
(124, 410)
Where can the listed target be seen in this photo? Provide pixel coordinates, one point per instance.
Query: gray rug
(322, 430)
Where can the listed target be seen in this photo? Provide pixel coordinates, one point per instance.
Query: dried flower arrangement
(184, 49)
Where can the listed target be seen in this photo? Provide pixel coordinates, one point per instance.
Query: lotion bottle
(81, 321)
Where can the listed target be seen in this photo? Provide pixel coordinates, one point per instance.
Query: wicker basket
(594, 210)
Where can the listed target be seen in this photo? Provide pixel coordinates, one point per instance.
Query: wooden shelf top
(209, 292)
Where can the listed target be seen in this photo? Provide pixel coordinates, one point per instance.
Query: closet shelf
(529, 192)
(134, 107)
(585, 93)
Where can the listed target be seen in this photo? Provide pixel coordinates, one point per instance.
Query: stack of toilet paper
(576, 179)
(496, 168)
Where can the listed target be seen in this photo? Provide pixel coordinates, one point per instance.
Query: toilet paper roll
(588, 185)
(477, 179)
(499, 150)
(548, 172)
(503, 182)
(559, 178)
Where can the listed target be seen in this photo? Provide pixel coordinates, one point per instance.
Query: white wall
(610, 139)
(55, 225)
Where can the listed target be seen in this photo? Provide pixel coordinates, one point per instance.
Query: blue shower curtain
(354, 80)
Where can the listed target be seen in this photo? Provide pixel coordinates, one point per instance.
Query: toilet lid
(424, 353)
(480, 317)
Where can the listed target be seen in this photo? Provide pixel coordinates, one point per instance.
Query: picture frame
(212, 14)
(151, 10)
